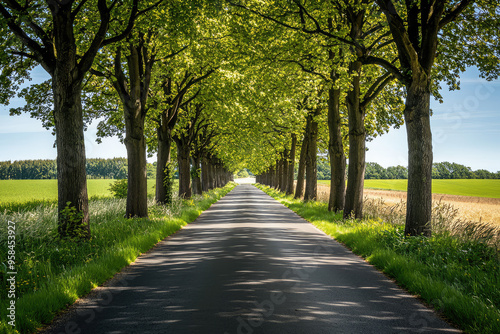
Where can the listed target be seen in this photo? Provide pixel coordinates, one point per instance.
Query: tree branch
(270, 18)
(173, 54)
(149, 8)
(120, 83)
(97, 73)
(75, 12)
(88, 58)
(40, 54)
(376, 88)
(407, 53)
(128, 28)
(321, 31)
(454, 13)
(310, 71)
(385, 64)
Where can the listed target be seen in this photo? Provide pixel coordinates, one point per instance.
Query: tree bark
(196, 175)
(417, 41)
(299, 190)
(184, 169)
(279, 174)
(357, 136)
(272, 177)
(284, 169)
(71, 174)
(68, 116)
(291, 165)
(336, 153)
(134, 105)
(311, 191)
(137, 192)
(220, 176)
(216, 175)
(417, 119)
(163, 179)
(205, 185)
(211, 174)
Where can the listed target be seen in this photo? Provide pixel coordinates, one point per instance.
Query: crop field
(476, 188)
(475, 200)
(21, 191)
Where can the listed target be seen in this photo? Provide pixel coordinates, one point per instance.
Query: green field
(20, 191)
(478, 188)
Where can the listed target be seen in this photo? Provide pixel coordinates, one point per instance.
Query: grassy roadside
(459, 278)
(53, 273)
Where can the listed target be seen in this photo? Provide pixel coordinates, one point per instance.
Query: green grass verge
(477, 188)
(53, 273)
(459, 278)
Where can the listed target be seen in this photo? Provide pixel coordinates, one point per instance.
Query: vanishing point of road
(249, 265)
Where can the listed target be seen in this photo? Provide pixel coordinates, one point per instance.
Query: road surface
(249, 265)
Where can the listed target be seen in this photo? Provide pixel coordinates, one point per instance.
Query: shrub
(119, 188)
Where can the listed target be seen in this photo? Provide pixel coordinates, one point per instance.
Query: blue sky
(466, 130)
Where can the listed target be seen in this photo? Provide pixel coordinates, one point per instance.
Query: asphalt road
(249, 265)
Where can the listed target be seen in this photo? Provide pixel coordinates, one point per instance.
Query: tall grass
(458, 273)
(445, 220)
(52, 272)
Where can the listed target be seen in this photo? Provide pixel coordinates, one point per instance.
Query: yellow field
(476, 209)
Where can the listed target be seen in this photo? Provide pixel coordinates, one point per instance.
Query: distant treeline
(115, 168)
(440, 170)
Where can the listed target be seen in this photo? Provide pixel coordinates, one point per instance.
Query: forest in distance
(116, 168)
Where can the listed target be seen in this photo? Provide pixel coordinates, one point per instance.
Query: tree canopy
(218, 86)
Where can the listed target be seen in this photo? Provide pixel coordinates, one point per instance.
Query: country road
(249, 265)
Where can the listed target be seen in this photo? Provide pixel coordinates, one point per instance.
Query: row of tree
(222, 85)
(372, 64)
(137, 64)
(115, 168)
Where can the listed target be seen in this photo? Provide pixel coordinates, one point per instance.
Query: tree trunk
(205, 185)
(336, 152)
(164, 179)
(137, 192)
(357, 148)
(211, 174)
(196, 174)
(70, 142)
(216, 175)
(132, 92)
(279, 174)
(73, 211)
(272, 177)
(184, 169)
(417, 119)
(299, 190)
(71, 174)
(311, 191)
(291, 165)
(284, 171)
